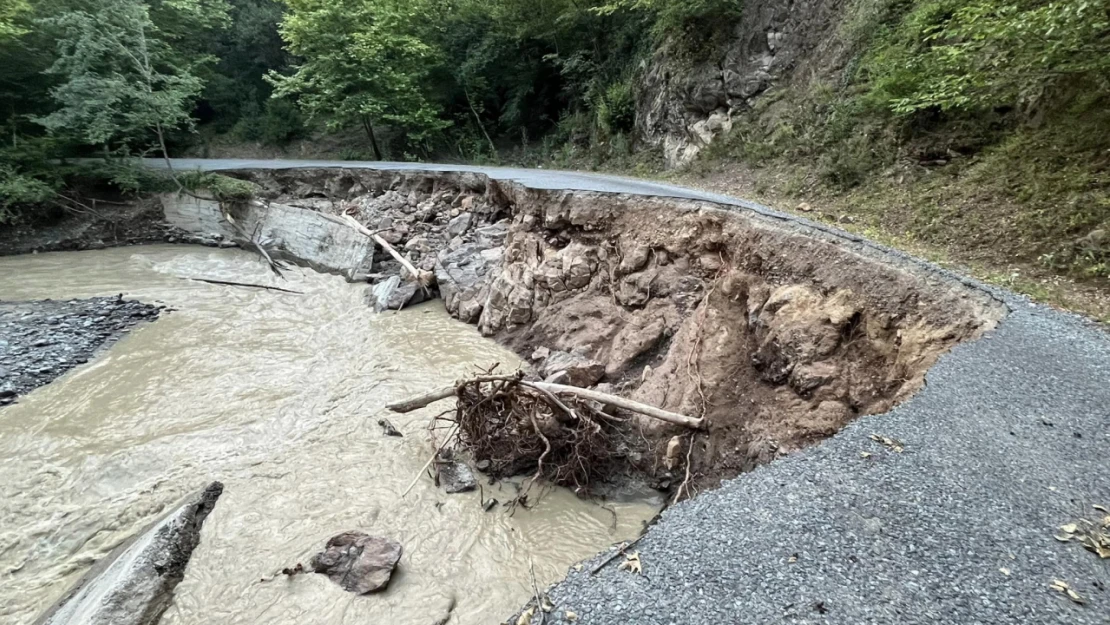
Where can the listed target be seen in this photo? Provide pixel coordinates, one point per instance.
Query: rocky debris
(134, 584)
(455, 476)
(388, 428)
(579, 370)
(358, 562)
(42, 340)
(777, 336)
(463, 276)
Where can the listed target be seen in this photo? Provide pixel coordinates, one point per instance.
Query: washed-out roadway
(1008, 441)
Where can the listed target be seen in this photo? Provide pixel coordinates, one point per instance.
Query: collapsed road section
(776, 334)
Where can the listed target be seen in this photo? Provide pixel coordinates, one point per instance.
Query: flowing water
(278, 396)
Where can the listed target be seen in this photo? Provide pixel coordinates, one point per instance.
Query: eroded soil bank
(776, 332)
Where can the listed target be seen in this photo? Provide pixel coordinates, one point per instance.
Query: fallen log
(245, 284)
(424, 277)
(418, 402)
(615, 401)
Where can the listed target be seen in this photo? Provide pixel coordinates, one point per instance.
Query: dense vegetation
(463, 79)
(978, 127)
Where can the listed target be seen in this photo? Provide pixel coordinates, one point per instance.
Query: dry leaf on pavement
(632, 563)
(1062, 587)
(890, 443)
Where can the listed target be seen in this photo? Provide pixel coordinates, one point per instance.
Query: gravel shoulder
(41, 340)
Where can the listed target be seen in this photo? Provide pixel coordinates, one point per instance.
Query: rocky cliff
(684, 104)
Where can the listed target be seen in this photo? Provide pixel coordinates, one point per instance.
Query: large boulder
(358, 562)
(134, 585)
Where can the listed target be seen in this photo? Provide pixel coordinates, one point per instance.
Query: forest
(415, 79)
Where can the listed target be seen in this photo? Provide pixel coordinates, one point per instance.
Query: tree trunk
(478, 119)
(373, 139)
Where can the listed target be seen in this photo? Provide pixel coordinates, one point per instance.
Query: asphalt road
(1009, 440)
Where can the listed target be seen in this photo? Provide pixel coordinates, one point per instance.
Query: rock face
(463, 276)
(684, 108)
(135, 584)
(40, 341)
(358, 562)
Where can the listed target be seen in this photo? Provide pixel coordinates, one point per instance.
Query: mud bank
(777, 333)
(42, 340)
(114, 224)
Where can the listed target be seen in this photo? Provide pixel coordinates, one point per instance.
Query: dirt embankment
(777, 333)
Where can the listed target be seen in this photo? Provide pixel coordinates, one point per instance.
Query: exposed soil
(114, 224)
(778, 334)
(42, 340)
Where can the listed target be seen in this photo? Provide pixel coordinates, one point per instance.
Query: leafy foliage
(10, 10)
(364, 62)
(956, 55)
(121, 80)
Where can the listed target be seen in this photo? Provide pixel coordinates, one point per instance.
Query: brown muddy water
(278, 396)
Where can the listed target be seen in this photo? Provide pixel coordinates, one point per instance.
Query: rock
(634, 259)
(806, 378)
(358, 562)
(134, 584)
(482, 465)
(492, 235)
(634, 340)
(421, 243)
(456, 477)
(674, 453)
(581, 371)
(388, 428)
(393, 294)
(464, 276)
(489, 504)
(459, 225)
(540, 353)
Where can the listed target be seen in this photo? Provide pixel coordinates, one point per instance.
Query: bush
(276, 123)
(616, 108)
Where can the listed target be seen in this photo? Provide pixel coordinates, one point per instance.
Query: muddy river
(278, 396)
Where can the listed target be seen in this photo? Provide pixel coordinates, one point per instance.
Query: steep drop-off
(779, 333)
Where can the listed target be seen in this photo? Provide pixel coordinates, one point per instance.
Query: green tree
(123, 84)
(10, 10)
(968, 56)
(364, 62)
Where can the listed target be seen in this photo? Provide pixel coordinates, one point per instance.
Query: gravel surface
(1009, 440)
(41, 340)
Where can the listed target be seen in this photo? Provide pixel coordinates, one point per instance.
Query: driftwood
(418, 402)
(424, 277)
(246, 284)
(548, 388)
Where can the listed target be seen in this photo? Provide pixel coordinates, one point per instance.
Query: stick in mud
(245, 284)
(697, 423)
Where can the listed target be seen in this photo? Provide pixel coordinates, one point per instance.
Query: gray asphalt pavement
(1009, 440)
